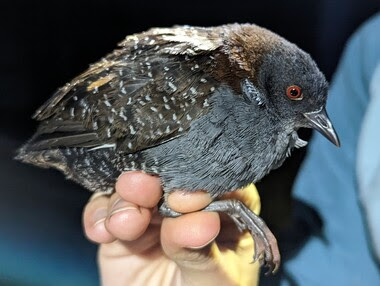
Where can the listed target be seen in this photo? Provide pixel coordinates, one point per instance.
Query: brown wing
(141, 95)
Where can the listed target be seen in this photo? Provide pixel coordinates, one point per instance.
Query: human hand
(139, 247)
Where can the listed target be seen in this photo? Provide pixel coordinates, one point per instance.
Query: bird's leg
(166, 211)
(265, 243)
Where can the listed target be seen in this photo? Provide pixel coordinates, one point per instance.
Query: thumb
(187, 240)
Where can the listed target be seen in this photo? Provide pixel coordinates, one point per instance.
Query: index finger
(139, 188)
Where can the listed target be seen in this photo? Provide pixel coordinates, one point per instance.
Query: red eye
(294, 92)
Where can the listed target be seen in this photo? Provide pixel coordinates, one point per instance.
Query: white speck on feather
(193, 90)
(113, 145)
(122, 115)
(95, 125)
(139, 121)
(172, 86)
(106, 102)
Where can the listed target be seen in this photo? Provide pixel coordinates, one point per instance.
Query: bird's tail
(41, 158)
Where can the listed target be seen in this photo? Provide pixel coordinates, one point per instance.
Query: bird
(202, 108)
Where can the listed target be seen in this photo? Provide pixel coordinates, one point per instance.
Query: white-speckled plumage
(159, 93)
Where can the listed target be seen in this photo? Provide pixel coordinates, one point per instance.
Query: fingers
(127, 213)
(126, 221)
(94, 217)
(187, 240)
(184, 238)
(194, 230)
(139, 188)
(130, 208)
(108, 218)
(185, 202)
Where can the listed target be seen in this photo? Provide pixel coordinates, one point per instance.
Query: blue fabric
(328, 178)
(368, 162)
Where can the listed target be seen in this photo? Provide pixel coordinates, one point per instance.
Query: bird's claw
(270, 257)
(266, 249)
(265, 244)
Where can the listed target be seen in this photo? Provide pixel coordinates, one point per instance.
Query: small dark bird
(209, 109)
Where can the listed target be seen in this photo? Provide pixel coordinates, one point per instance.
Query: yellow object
(237, 262)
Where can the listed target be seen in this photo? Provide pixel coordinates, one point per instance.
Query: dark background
(45, 44)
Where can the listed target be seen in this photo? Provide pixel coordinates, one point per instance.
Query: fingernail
(204, 245)
(100, 216)
(120, 205)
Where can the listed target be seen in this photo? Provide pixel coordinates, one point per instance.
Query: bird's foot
(266, 249)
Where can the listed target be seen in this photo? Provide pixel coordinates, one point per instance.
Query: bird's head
(295, 89)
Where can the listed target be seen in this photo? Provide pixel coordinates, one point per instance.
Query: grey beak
(321, 122)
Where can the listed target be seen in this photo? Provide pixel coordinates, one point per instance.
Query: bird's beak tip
(336, 143)
(320, 121)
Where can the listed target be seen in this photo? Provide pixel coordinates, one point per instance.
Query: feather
(134, 98)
